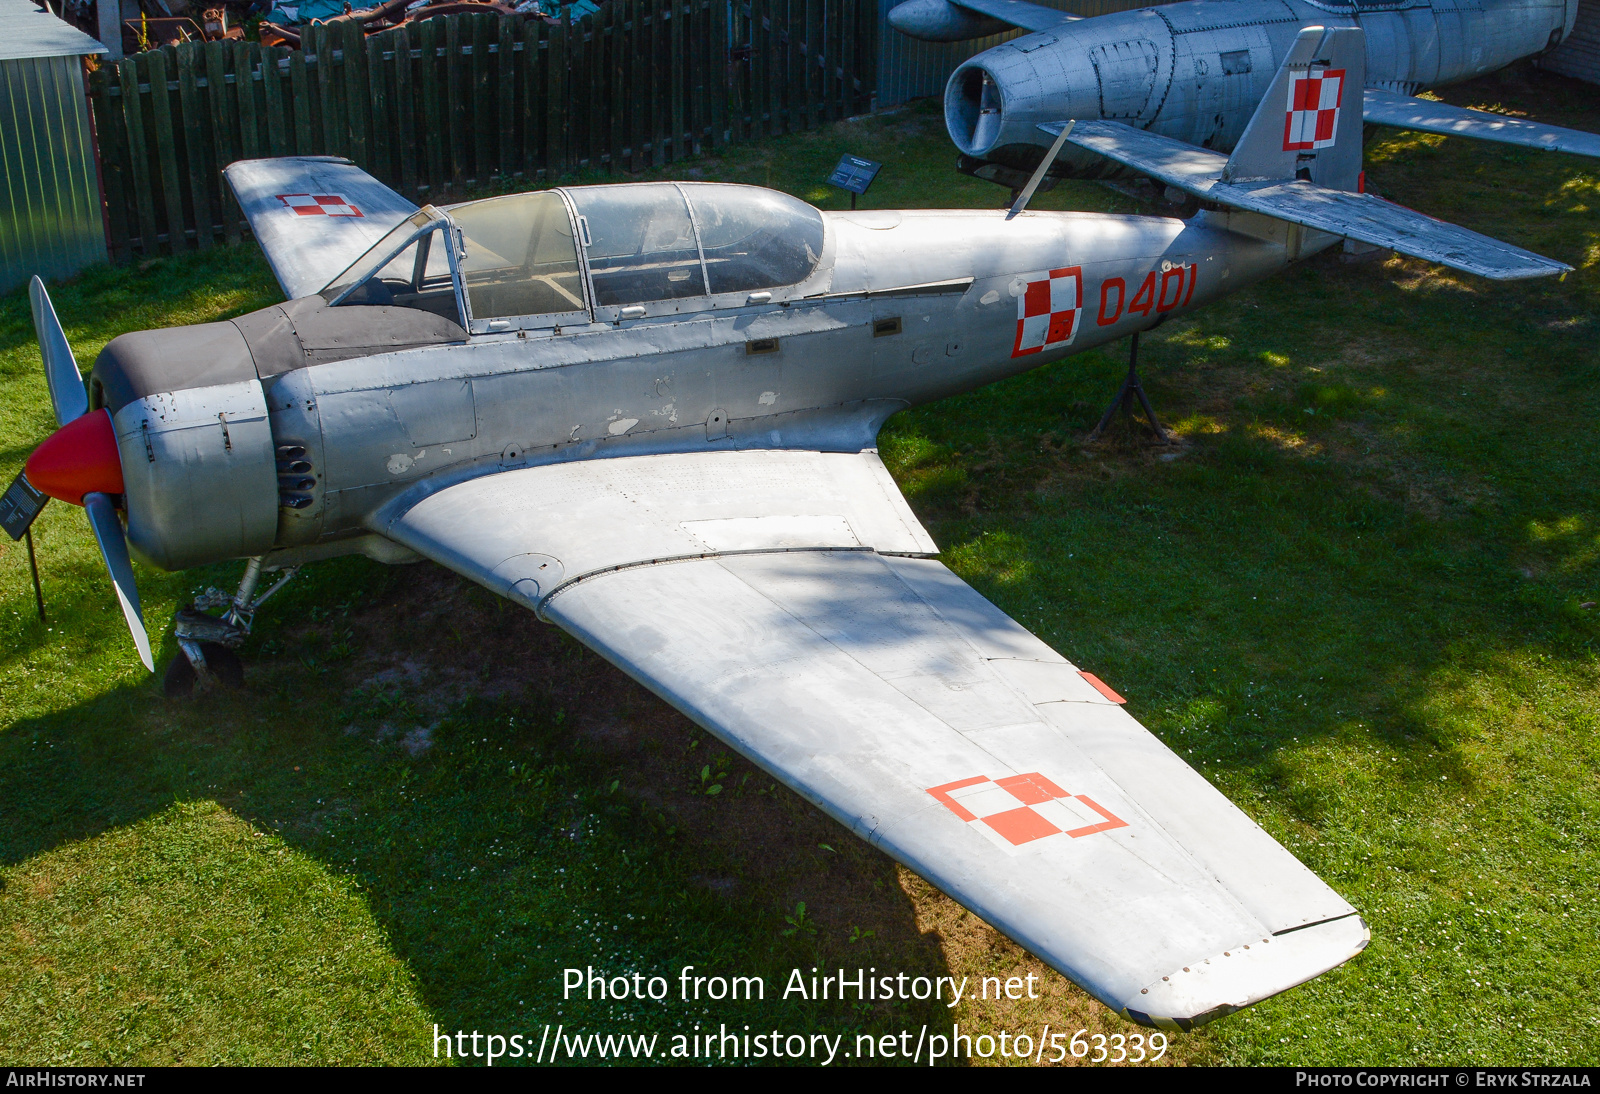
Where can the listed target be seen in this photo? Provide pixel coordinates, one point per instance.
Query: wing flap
(597, 515)
(1364, 217)
(1405, 112)
(313, 215)
(887, 691)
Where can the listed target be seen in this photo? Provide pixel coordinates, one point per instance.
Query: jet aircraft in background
(647, 412)
(1196, 70)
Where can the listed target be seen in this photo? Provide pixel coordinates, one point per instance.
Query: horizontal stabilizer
(1405, 112)
(313, 215)
(1363, 217)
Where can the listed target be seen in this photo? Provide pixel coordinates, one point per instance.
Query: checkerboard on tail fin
(313, 215)
(1308, 125)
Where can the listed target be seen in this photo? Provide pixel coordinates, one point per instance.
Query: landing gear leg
(1131, 389)
(208, 641)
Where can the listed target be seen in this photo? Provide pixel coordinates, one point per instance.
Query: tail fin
(1309, 124)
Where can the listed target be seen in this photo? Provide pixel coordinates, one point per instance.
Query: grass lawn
(1360, 599)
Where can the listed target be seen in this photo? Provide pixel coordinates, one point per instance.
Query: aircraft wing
(313, 215)
(1364, 217)
(1019, 13)
(784, 600)
(1405, 112)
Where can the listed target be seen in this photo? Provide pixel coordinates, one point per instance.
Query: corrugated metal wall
(909, 69)
(1579, 55)
(49, 195)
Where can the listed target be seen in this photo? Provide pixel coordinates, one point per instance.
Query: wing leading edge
(779, 600)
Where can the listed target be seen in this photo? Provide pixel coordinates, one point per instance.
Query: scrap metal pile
(169, 22)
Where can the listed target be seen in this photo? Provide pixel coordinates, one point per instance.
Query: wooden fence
(468, 100)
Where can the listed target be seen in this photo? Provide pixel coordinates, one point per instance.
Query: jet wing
(313, 215)
(1018, 13)
(1405, 112)
(1364, 217)
(784, 601)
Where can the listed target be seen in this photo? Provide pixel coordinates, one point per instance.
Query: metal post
(109, 14)
(33, 564)
(852, 201)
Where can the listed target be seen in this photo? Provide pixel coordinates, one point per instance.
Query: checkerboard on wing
(1018, 809)
(320, 205)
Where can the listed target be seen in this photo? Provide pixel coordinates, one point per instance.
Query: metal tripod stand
(1131, 388)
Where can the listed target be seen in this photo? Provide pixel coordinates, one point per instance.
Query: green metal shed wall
(49, 193)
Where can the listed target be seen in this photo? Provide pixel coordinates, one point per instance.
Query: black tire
(223, 663)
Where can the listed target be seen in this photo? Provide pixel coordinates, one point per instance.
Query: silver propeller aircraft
(647, 412)
(1196, 70)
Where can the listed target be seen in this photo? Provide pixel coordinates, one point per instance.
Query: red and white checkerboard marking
(1049, 310)
(320, 205)
(1019, 809)
(1313, 114)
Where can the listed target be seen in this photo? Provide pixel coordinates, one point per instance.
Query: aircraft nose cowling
(79, 458)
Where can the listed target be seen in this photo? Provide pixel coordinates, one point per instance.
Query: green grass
(1354, 600)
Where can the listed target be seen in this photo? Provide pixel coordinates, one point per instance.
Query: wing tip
(1221, 984)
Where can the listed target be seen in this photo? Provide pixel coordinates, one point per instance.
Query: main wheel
(223, 664)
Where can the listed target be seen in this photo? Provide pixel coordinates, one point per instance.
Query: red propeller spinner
(79, 458)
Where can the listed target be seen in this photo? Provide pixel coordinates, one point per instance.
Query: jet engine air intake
(973, 109)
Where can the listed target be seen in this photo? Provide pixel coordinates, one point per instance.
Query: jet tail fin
(1308, 125)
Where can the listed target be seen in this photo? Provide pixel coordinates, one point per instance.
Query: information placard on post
(854, 174)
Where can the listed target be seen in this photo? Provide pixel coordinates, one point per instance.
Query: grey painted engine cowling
(198, 464)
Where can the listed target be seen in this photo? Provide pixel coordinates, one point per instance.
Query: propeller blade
(60, 367)
(114, 549)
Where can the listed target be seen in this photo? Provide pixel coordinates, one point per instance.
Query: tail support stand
(1131, 388)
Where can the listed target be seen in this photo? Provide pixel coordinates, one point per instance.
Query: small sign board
(20, 504)
(854, 174)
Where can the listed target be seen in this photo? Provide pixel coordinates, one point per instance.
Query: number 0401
(1160, 291)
